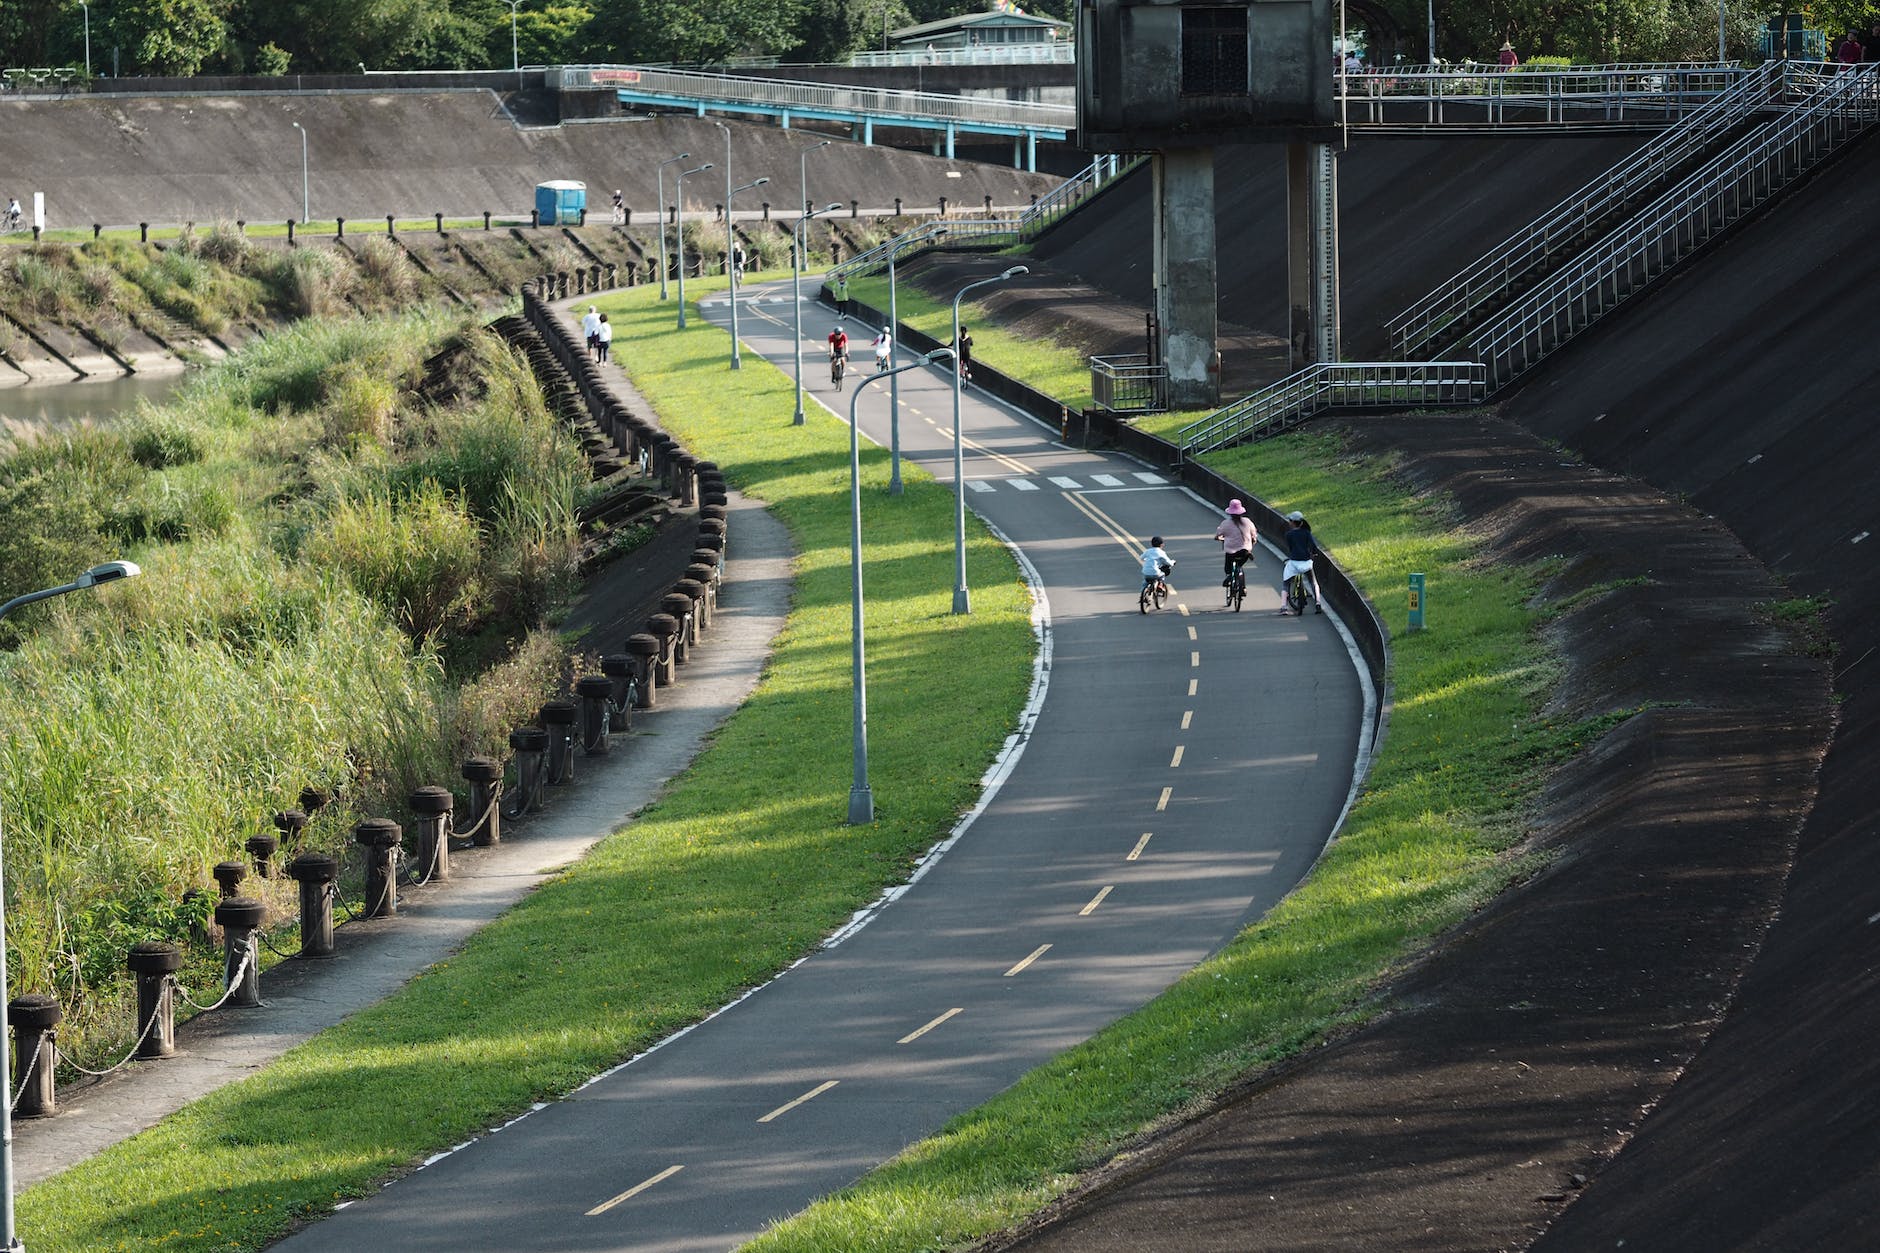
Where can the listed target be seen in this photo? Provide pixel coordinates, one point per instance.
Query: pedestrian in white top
(604, 338)
(591, 328)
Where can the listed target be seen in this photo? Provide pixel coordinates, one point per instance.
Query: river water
(50, 405)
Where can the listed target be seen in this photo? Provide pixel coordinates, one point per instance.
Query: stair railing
(1335, 385)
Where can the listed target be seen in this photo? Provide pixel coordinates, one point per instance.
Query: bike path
(1182, 773)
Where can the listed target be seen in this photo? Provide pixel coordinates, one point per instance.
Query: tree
(694, 31)
(554, 35)
(166, 37)
(832, 29)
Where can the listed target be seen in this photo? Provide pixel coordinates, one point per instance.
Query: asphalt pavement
(1176, 776)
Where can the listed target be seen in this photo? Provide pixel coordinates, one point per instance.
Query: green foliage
(555, 34)
(166, 37)
(415, 558)
(694, 30)
(272, 60)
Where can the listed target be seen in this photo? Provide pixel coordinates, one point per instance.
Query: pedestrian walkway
(376, 958)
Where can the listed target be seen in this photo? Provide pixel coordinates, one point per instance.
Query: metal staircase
(1503, 315)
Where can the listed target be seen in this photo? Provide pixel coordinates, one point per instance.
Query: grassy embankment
(1429, 841)
(339, 529)
(738, 870)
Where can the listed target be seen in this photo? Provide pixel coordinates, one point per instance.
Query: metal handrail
(1129, 382)
(1579, 95)
(1059, 52)
(786, 94)
(1493, 274)
(1335, 385)
(1680, 221)
(979, 232)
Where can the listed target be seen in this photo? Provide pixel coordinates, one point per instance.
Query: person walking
(620, 207)
(591, 331)
(605, 339)
(840, 290)
(1508, 58)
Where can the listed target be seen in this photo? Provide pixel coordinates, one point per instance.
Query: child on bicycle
(1237, 536)
(884, 346)
(1299, 546)
(1155, 563)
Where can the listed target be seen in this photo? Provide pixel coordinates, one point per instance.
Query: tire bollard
(315, 873)
(665, 628)
(694, 590)
(685, 479)
(530, 745)
(712, 560)
(262, 848)
(643, 648)
(380, 838)
(705, 574)
(431, 831)
(622, 682)
(240, 918)
(485, 777)
(596, 695)
(228, 876)
(557, 718)
(313, 800)
(678, 607)
(35, 1018)
(153, 962)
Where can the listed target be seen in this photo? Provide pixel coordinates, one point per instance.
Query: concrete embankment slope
(176, 159)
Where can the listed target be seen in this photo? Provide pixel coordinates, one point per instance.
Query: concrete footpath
(376, 958)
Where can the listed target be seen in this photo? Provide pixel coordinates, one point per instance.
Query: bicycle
(1237, 588)
(838, 365)
(1297, 593)
(1154, 591)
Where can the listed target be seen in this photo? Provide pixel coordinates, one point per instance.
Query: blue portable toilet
(561, 202)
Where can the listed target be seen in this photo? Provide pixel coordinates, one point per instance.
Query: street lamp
(303, 172)
(87, 8)
(515, 54)
(861, 798)
(895, 245)
(678, 194)
(109, 572)
(962, 599)
(731, 267)
(659, 176)
(796, 305)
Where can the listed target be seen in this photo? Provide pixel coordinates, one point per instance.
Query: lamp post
(796, 287)
(109, 572)
(678, 194)
(87, 8)
(515, 53)
(861, 798)
(1430, 14)
(304, 201)
(962, 599)
(894, 353)
(659, 176)
(731, 267)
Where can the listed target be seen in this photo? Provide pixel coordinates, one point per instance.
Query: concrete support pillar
(949, 141)
(1185, 296)
(1312, 253)
(1031, 152)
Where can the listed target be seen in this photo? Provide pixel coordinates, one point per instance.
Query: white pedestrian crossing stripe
(978, 485)
(1107, 480)
(1023, 485)
(1069, 485)
(1150, 478)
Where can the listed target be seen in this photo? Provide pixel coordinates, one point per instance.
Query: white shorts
(1295, 567)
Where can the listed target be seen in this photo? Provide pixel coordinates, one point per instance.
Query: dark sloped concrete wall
(171, 159)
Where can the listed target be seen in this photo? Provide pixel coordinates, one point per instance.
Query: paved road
(1183, 772)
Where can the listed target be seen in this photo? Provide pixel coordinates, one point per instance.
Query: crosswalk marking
(1150, 478)
(979, 485)
(1069, 485)
(1023, 485)
(1106, 480)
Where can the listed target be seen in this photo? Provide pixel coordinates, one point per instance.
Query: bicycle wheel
(1142, 599)
(1296, 593)
(1161, 593)
(1239, 592)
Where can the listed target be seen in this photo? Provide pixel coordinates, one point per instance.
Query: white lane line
(1141, 844)
(1146, 477)
(1069, 485)
(1162, 802)
(1177, 759)
(979, 485)
(810, 1095)
(1107, 480)
(912, 1036)
(1194, 659)
(1036, 953)
(1188, 716)
(1192, 685)
(1023, 485)
(1192, 635)
(634, 1191)
(1858, 538)
(1095, 901)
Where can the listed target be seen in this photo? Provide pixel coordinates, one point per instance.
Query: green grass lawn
(1428, 842)
(265, 230)
(741, 868)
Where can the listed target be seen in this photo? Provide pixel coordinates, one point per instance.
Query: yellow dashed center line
(1162, 804)
(1141, 844)
(810, 1095)
(1194, 659)
(1184, 612)
(1177, 759)
(634, 1191)
(1096, 901)
(1036, 953)
(912, 1036)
